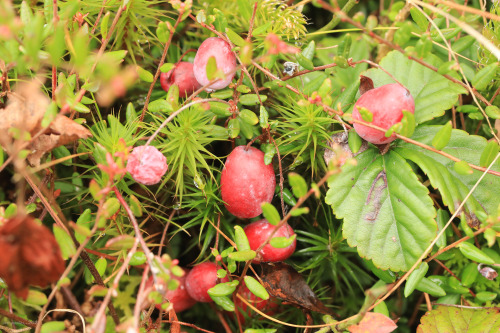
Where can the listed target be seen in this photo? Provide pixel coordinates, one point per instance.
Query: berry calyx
(386, 104)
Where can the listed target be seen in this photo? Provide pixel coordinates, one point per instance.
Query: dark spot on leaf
(374, 199)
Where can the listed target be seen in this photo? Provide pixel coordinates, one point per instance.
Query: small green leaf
(243, 89)
(223, 289)
(252, 99)
(53, 326)
(138, 258)
(282, 242)
(415, 278)
(135, 206)
(270, 213)
(144, 75)
(160, 105)
(249, 117)
(354, 141)
(473, 253)
(304, 62)
(486, 296)
(234, 128)
(263, 117)
(366, 114)
(469, 274)
(50, 114)
(62, 152)
(235, 38)
(119, 243)
(201, 17)
(240, 238)
(493, 111)
(298, 184)
(162, 32)
(489, 153)
(224, 302)
(167, 67)
(299, 211)
(211, 68)
(242, 255)
(36, 297)
(483, 78)
(442, 137)
(221, 273)
(441, 219)
(101, 265)
(220, 20)
(256, 288)
(462, 168)
(408, 124)
(419, 18)
(427, 286)
(220, 109)
(65, 242)
(173, 96)
(222, 94)
(110, 207)
(104, 25)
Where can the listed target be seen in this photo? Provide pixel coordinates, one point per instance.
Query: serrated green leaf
(65, 242)
(270, 213)
(460, 320)
(256, 288)
(452, 186)
(298, 184)
(240, 238)
(235, 38)
(433, 93)
(489, 153)
(388, 214)
(442, 137)
(483, 78)
(252, 99)
(282, 242)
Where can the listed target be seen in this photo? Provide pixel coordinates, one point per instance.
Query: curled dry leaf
(24, 110)
(488, 272)
(30, 255)
(284, 282)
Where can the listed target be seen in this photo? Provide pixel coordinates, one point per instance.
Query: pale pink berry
(147, 165)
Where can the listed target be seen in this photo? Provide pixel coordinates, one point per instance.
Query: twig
(18, 319)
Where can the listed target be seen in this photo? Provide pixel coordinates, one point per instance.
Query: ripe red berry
(224, 57)
(201, 278)
(179, 297)
(246, 182)
(182, 75)
(258, 232)
(147, 165)
(386, 103)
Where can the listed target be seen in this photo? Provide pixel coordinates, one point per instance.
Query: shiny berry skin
(179, 298)
(146, 164)
(258, 232)
(224, 57)
(201, 278)
(246, 182)
(182, 75)
(386, 103)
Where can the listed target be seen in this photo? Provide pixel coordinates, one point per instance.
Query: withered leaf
(25, 109)
(284, 282)
(365, 84)
(30, 255)
(374, 323)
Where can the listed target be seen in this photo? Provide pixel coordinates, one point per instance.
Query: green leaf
(299, 211)
(298, 184)
(167, 67)
(223, 289)
(53, 326)
(50, 114)
(460, 320)
(65, 242)
(469, 274)
(220, 109)
(366, 114)
(442, 137)
(222, 94)
(486, 296)
(104, 25)
(249, 117)
(224, 302)
(304, 62)
(354, 141)
(160, 105)
(270, 213)
(36, 297)
(138, 258)
(282, 242)
(419, 18)
(433, 93)
(463, 168)
(427, 286)
(56, 45)
(110, 207)
(388, 214)
(162, 32)
(252, 99)
(234, 128)
(220, 20)
(263, 117)
(235, 38)
(473, 253)
(493, 111)
(240, 238)
(101, 265)
(489, 153)
(242, 255)
(256, 288)
(408, 124)
(483, 78)
(415, 277)
(454, 187)
(135, 205)
(144, 75)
